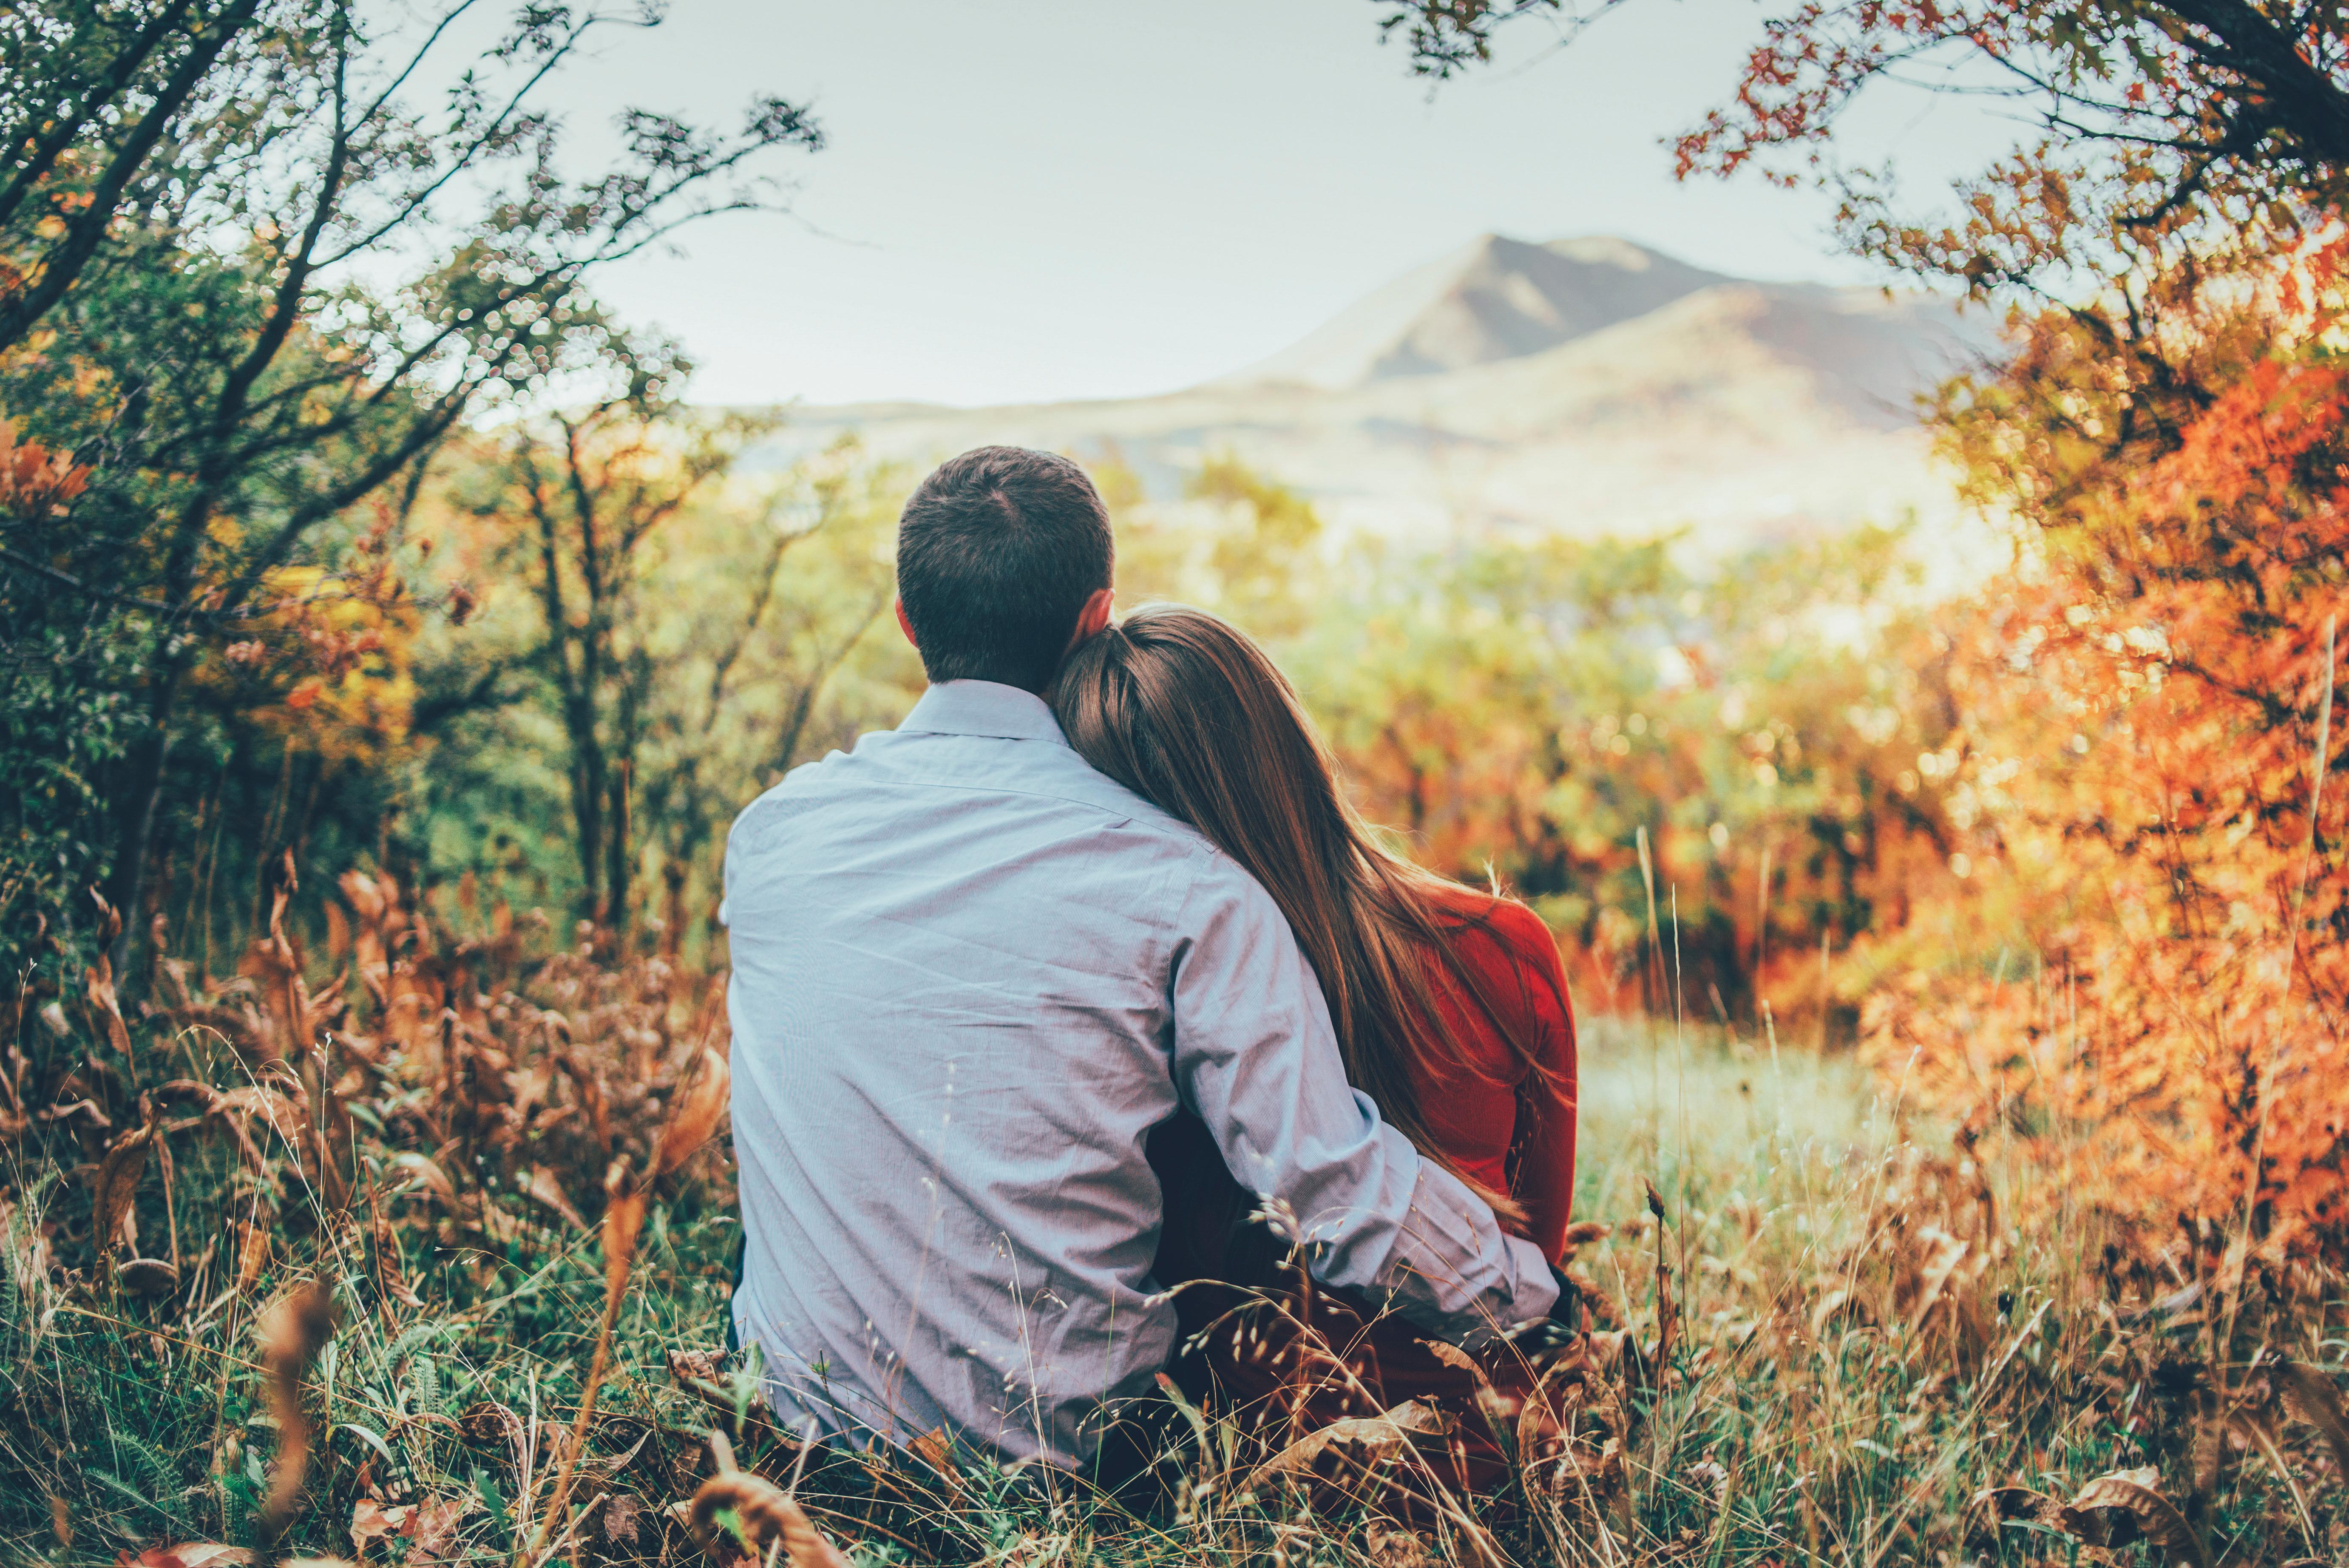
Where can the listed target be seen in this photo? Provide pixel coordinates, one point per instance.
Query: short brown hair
(996, 553)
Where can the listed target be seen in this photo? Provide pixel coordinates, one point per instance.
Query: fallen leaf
(432, 1528)
(187, 1554)
(2117, 1508)
(1451, 1356)
(2319, 1403)
(696, 1116)
(372, 1522)
(97, 984)
(116, 1184)
(619, 1521)
(545, 1188)
(1376, 1438)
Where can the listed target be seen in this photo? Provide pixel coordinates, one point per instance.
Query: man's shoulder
(890, 771)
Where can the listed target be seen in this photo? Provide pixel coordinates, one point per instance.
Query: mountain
(1494, 298)
(1585, 386)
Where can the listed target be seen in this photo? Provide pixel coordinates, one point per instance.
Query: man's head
(1003, 564)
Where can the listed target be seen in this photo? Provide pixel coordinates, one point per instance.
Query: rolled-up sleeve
(1255, 1057)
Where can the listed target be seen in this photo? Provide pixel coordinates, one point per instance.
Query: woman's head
(1185, 710)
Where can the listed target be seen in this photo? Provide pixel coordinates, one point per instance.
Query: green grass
(1828, 1400)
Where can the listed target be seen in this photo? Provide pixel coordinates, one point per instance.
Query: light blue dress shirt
(970, 975)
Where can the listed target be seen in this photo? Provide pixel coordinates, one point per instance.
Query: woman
(1450, 1005)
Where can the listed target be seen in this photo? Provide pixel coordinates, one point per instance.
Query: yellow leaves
(338, 654)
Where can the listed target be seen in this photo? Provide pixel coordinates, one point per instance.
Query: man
(970, 976)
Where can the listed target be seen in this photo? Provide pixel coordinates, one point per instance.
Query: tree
(675, 627)
(2146, 712)
(584, 494)
(225, 356)
(2163, 123)
(2153, 719)
(89, 94)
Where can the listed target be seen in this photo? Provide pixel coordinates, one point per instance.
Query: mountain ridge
(1581, 386)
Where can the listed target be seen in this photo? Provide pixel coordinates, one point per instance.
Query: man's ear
(907, 627)
(1094, 617)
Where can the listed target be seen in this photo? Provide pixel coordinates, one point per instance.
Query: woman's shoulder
(1503, 922)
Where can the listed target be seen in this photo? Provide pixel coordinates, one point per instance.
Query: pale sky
(1029, 200)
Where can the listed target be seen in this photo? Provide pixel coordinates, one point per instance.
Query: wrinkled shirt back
(970, 974)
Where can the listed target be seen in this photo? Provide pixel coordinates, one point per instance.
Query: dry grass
(463, 1263)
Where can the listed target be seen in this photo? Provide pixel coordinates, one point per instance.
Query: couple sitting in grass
(1079, 1011)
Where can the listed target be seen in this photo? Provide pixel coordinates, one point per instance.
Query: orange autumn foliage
(2153, 994)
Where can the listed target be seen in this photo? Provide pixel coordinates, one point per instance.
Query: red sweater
(1503, 1124)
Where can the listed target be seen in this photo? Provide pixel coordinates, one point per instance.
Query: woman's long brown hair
(1185, 710)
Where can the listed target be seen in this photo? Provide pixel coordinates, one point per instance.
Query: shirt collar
(983, 707)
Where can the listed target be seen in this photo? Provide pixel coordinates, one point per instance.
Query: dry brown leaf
(624, 1216)
(433, 1529)
(252, 1255)
(765, 1510)
(97, 984)
(694, 1118)
(372, 1522)
(187, 1554)
(2141, 1511)
(292, 1334)
(933, 1448)
(116, 1184)
(486, 1423)
(2319, 1403)
(1388, 1547)
(617, 1522)
(1371, 1439)
(544, 1187)
(1451, 1356)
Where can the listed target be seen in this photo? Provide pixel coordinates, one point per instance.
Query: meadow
(1825, 1332)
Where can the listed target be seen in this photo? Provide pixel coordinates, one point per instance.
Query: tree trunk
(587, 811)
(135, 804)
(616, 850)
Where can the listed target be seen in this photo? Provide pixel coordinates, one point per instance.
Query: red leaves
(2159, 690)
(35, 482)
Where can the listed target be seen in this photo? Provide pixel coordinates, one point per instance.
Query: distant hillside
(1585, 386)
(1494, 298)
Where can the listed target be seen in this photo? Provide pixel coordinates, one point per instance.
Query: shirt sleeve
(1255, 1057)
(1541, 1156)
